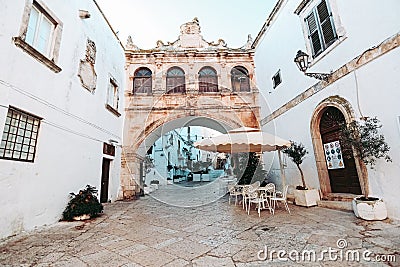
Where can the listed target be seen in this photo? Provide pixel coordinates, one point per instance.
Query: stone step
(337, 205)
(339, 197)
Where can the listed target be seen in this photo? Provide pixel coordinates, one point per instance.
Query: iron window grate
(20, 135)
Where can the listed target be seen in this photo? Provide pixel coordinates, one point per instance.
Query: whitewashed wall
(366, 24)
(33, 194)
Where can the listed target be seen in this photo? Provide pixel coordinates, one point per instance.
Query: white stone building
(175, 148)
(358, 42)
(61, 90)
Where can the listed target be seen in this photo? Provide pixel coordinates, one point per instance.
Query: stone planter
(306, 198)
(154, 186)
(82, 217)
(148, 189)
(370, 210)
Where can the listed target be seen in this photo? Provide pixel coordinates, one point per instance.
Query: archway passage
(344, 178)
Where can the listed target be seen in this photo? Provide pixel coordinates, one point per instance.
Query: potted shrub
(302, 195)
(83, 205)
(369, 146)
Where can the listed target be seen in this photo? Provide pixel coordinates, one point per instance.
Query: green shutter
(326, 24)
(313, 34)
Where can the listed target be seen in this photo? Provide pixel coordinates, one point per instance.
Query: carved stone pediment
(191, 39)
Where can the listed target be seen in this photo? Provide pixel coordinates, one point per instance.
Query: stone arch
(133, 155)
(345, 107)
(226, 124)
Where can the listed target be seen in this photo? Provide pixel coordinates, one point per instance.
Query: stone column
(159, 87)
(191, 75)
(130, 174)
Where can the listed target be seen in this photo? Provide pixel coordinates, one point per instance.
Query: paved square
(148, 232)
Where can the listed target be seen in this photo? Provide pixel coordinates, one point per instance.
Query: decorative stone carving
(160, 44)
(249, 42)
(91, 52)
(130, 45)
(192, 27)
(221, 44)
(189, 39)
(86, 71)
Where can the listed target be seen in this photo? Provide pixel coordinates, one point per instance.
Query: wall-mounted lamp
(302, 63)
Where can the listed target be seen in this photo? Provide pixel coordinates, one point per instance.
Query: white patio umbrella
(245, 139)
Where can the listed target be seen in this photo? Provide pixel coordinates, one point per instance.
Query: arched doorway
(342, 168)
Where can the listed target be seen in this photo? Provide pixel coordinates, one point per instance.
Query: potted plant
(154, 183)
(368, 145)
(83, 205)
(302, 195)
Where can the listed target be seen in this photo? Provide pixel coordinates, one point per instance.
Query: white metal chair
(233, 192)
(245, 193)
(269, 190)
(260, 200)
(246, 190)
(281, 196)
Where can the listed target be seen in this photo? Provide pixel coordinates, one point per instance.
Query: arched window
(142, 81)
(208, 80)
(176, 81)
(240, 79)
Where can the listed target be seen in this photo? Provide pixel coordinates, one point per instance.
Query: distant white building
(61, 91)
(174, 154)
(358, 42)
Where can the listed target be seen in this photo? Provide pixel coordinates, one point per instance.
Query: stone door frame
(345, 107)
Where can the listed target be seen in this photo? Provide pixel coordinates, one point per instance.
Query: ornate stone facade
(167, 86)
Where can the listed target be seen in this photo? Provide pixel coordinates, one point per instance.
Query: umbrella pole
(283, 177)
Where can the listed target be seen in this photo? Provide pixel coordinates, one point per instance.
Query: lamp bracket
(319, 76)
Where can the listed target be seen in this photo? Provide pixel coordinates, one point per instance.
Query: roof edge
(108, 23)
(268, 23)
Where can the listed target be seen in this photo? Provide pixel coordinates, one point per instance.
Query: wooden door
(105, 177)
(343, 180)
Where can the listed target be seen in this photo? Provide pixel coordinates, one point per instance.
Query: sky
(151, 20)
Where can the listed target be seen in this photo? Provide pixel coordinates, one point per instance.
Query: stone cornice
(227, 53)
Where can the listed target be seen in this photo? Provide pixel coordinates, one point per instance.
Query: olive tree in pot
(302, 195)
(369, 145)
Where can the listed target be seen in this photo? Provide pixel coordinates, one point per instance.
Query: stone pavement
(149, 232)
